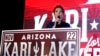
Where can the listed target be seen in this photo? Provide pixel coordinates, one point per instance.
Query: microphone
(59, 17)
(56, 23)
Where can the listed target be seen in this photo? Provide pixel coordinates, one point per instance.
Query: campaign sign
(45, 42)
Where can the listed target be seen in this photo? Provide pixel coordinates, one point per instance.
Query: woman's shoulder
(51, 22)
(66, 24)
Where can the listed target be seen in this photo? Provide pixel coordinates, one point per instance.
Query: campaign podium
(44, 42)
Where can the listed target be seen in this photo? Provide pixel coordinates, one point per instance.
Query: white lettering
(68, 17)
(38, 23)
(84, 25)
(15, 50)
(23, 49)
(53, 49)
(6, 46)
(61, 48)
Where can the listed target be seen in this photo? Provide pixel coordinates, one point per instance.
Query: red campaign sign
(45, 42)
(83, 14)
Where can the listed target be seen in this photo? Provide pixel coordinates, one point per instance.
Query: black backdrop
(12, 14)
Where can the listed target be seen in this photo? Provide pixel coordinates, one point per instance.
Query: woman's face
(58, 12)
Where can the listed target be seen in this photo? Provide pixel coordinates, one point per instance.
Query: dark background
(12, 15)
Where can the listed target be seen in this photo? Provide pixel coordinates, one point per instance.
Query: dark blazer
(62, 25)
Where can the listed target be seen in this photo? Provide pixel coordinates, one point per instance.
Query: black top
(61, 25)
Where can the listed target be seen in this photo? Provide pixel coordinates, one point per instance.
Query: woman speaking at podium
(59, 16)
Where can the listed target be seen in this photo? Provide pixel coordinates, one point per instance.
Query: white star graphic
(94, 25)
